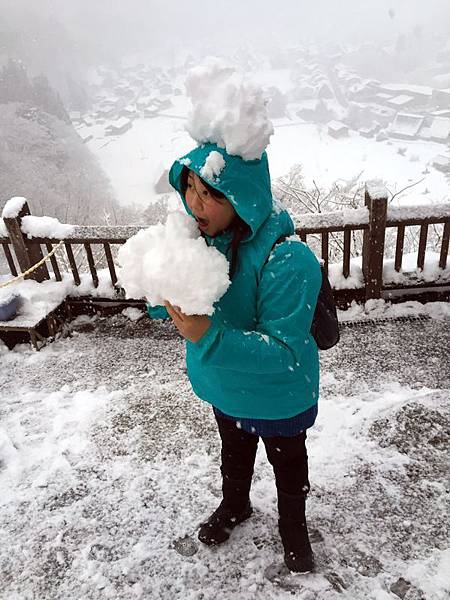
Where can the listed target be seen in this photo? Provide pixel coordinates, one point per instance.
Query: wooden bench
(40, 326)
(34, 325)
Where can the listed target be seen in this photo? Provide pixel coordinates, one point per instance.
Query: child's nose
(196, 202)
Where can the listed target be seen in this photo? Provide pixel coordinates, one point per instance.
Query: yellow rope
(33, 268)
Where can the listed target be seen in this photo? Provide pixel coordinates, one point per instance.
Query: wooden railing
(373, 223)
(87, 248)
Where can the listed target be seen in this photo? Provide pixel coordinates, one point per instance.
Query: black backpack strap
(325, 325)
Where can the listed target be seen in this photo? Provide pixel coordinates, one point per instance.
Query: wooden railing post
(373, 241)
(28, 253)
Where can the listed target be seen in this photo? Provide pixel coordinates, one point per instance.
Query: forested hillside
(43, 158)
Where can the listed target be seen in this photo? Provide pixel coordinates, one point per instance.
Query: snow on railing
(45, 227)
(13, 207)
(364, 235)
(333, 221)
(376, 190)
(101, 233)
(428, 213)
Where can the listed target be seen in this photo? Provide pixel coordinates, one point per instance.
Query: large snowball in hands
(172, 262)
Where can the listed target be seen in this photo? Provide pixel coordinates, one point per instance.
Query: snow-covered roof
(383, 111)
(441, 81)
(369, 130)
(401, 100)
(306, 104)
(162, 185)
(406, 125)
(440, 129)
(337, 126)
(425, 133)
(443, 112)
(409, 89)
(119, 123)
(86, 137)
(442, 163)
(358, 87)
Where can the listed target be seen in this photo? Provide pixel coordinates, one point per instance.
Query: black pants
(287, 455)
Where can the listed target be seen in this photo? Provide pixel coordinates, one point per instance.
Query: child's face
(213, 215)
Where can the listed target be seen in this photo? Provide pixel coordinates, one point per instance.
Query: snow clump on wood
(45, 227)
(227, 109)
(172, 262)
(13, 207)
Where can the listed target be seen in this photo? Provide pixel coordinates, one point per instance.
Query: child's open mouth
(202, 223)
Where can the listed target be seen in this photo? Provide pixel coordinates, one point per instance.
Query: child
(254, 360)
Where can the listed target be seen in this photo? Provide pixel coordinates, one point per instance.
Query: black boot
(298, 555)
(234, 508)
(217, 528)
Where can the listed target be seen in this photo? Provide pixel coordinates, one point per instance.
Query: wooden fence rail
(97, 245)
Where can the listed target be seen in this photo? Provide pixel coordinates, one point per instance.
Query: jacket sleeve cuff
(207, 338)
(157, 312)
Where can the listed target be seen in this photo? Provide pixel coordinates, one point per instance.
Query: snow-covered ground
(135, 160)
(108, 462)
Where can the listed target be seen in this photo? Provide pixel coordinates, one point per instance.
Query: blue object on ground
(9, 307)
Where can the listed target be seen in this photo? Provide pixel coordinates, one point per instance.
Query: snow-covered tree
(47, 99)
(43, 159)
(343, 194)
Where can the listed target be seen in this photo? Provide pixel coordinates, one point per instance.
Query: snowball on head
(228, 110)
(213, 166)
(172, 262)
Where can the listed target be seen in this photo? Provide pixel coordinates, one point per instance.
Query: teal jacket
(258, 358)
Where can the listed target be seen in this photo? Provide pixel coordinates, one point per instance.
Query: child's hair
(239, 227)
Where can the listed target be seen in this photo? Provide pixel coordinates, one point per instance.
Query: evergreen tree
(47, 99)
(15, 85)
(78, 97)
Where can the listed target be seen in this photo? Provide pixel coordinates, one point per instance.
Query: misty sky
(111, 28)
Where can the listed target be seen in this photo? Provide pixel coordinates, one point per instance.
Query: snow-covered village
(225, 300)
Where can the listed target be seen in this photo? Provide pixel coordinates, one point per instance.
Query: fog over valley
(355, 93)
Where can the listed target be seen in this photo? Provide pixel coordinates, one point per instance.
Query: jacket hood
(245, 183)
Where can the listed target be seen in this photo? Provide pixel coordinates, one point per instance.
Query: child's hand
(191, 327)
